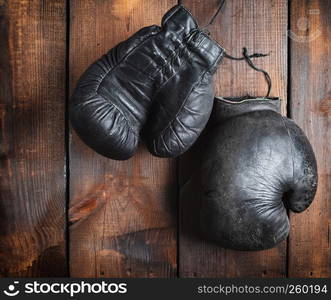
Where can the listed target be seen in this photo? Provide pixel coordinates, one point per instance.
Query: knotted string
(213, 18)
(247, 58)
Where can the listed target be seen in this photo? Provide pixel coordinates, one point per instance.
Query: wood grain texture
(310, 240)
(32, 151)
(122, 213)
(261, 26)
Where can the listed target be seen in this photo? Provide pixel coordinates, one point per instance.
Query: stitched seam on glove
(184, 46)
(250, 100)
(165, 145)
(176, 135)
(214, 41)
(186, 62)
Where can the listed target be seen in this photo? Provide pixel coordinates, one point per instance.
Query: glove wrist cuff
(226, 108)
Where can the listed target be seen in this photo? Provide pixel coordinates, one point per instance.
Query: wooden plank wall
(310, 241)
(32, 151)
(123, 217)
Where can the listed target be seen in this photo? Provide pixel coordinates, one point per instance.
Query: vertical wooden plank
(260, 26)
(32, 151)
(123, 214)
(310, 240)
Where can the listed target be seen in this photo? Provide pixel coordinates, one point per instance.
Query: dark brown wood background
(67, 211)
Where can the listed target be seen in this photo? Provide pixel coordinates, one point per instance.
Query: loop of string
(247, 58)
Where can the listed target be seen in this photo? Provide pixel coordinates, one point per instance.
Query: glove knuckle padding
(104, 108)
(255, 164)
(168, 65)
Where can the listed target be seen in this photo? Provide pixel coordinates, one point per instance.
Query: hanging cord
(212, 20)
(251, 64)
(266, 75)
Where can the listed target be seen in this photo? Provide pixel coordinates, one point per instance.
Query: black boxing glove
(256, 164)
(184, 101)
(113, 98)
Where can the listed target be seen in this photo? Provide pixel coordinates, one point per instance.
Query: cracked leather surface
(160, 74)
(256, 164)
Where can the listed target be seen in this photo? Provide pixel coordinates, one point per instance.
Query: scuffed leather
(169, 66)
(256, 163)
(183, 104)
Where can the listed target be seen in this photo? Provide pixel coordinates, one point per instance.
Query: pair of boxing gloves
(158, 85)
